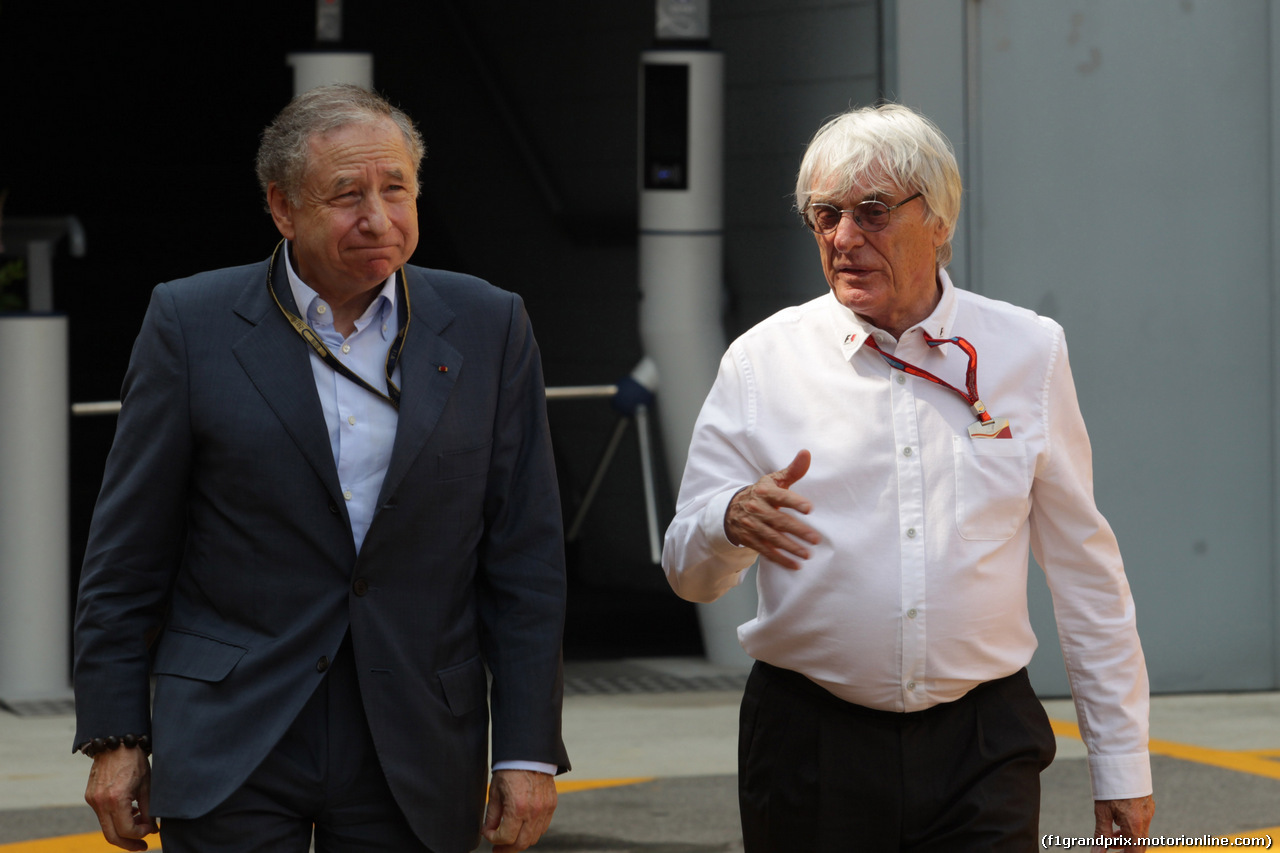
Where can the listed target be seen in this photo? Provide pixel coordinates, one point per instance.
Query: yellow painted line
(1243, 762)
(91, 842)
(565, 786)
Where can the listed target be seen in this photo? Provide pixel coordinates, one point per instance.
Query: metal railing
(572, 392)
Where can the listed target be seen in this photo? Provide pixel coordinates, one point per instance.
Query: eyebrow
(344, 181)
(835, 202)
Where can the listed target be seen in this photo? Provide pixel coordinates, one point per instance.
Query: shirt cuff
(537, 766)
(1120, 777)
(712, 522)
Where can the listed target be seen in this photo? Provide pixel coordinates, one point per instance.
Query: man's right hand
(755, 520)
(119, 778)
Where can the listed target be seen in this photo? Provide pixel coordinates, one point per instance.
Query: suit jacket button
(333, 507)
(322, 664)
(361, 586)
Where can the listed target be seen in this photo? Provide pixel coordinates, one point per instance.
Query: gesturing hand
(755, 517)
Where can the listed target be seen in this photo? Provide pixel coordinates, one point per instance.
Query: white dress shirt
(918, 591)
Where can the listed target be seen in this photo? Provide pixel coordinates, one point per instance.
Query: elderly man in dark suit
(329, 529)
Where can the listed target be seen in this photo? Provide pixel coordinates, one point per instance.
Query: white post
(323, 68)
(34, 468)
(681, 275)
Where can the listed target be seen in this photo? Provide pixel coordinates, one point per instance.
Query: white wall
(1119, 161)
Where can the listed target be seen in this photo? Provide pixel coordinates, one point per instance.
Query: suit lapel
(429, 367)
(278, 363)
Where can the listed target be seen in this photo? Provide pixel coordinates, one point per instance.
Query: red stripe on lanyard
(970, 376)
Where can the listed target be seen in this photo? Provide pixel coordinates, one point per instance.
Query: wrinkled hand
(118, 778)
(521, 803)
(754, 518)
(1124, 819)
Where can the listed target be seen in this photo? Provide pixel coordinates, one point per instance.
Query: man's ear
(939, 232)
(281, 210)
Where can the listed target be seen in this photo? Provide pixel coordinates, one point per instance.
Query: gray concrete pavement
(668, 727)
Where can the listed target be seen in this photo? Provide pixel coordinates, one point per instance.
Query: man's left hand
(521, 803)
(1124, 819)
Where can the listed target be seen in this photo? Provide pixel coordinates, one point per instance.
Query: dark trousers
(323, 773)
(816, 773)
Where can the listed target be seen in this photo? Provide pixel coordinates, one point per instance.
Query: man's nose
(374, 218)
(848, 234)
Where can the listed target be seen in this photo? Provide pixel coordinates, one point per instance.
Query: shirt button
(906, 451)
(320, 309)
(322, 664)
(347, 494)
(346, 348)
(902, 380)
(351, 419)
(911, 532)
(911, 685)
(911, 614)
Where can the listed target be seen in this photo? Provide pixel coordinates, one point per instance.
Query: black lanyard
(308, 334)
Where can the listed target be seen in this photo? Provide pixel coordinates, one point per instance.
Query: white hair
(887, 148)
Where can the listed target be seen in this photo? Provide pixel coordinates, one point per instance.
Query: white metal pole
(34, 468)
(322, 68)
(681, 271)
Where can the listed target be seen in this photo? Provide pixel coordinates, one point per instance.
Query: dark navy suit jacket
(221, 524)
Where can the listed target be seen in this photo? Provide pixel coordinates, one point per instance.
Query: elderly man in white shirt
(889, 451)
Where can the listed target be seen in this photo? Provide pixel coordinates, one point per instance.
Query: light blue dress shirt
(362, 425)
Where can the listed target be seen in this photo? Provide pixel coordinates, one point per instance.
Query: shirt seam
(1046, 399)
(749, 387)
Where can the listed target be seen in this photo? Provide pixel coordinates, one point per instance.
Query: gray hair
(284, 151)
(884, 149)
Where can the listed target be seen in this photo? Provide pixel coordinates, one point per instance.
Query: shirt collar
(309, 302)
(852, 331)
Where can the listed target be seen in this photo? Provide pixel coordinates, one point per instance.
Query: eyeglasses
(870, 215)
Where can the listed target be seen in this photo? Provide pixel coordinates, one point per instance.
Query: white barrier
(34, 485)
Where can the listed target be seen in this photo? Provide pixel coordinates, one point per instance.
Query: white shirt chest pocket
(993, 486)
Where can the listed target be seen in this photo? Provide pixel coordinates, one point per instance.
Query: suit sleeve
(522, 574)
(137, 534)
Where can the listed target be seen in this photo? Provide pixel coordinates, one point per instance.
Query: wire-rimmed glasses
(870, 215)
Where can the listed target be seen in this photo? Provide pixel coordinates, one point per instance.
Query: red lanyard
(970, 376)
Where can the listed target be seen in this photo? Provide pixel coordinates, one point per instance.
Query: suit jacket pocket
(196, 656)
(464, 463)
(465, 686)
